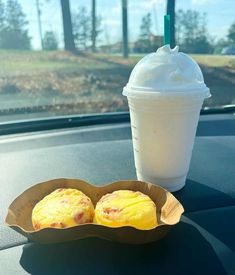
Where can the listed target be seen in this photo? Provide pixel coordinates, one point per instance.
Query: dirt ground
(221, 82)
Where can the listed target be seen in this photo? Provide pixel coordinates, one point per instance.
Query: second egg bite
(126, 208)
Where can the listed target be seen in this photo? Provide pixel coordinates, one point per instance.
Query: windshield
(74, 57)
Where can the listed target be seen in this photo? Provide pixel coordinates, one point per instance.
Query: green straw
(167, 30)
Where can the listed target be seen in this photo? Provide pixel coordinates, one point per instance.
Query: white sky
(220, 15)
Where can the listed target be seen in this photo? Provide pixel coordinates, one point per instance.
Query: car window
(74, 57)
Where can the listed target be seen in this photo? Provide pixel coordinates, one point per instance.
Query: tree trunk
(93, 32)
(124, 29)
(171, 11)
(67, 26)
(39, 23)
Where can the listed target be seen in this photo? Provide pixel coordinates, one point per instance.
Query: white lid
(165, 72)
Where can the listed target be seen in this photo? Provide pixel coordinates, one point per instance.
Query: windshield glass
(74, 57)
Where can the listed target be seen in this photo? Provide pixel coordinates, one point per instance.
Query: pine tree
(231, 33)
(14, 34)
(145, 28)
(2, 19)
(82, 28)
(143, 44)
(192, 33)
(50, 42)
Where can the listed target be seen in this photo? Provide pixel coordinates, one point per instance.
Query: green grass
(31, 62)
(203, 59)
(30, 67)
(23, 62)
(46, 66)
(215, 60)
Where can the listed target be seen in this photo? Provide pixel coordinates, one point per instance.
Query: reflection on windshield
(63, 57)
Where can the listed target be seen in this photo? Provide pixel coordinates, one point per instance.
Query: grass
(90, 82)
(215, 60)
(21, 62)
(31, 62)
(203, 59)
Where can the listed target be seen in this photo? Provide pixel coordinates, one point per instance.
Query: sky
(220, 15)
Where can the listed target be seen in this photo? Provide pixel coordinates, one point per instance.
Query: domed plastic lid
(165, 72)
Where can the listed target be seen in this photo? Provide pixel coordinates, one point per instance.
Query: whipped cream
(166, 70)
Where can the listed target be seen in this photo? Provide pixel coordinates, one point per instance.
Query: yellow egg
(126, 208)
(65, 207)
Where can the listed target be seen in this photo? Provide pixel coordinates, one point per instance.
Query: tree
(192, 34)
(145, 27)
(39, 22)
(171, 11)
(50, 42)
(13, 32)
(69, 44)
(93, 31)
(231, 33)
(83, 31)
(124, 29)
(2, 19)
(143, 44)
(82, 28)
(147, 41)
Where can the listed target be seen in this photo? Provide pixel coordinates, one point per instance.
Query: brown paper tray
(169, 211)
